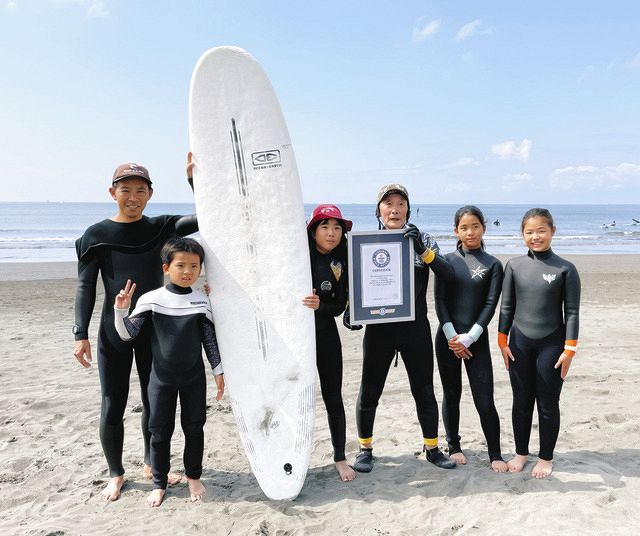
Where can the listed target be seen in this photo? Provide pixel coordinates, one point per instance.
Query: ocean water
(46, 232)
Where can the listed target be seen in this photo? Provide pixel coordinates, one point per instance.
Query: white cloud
(11, 6)
(472, 28)
(515, 181)
(462, 162)
(634, 62)
(424, 29)
(96, 9)
(509, 149)
(593, 178)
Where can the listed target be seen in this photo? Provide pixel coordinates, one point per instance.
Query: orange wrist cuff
(502, 340)
(570, 347)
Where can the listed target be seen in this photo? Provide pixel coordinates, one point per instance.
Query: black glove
(414, 234)
(346, 321)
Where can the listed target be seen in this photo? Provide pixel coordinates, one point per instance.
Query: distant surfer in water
(465, 306)
(125, 246)
(411, 339)
(182, 326)
(328, 250)
(496, 222)
(538, 337)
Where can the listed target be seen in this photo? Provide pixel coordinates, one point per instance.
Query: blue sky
(463, 102)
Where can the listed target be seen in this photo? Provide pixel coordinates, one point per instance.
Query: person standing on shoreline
(465, 306)
(328, 249)
(411, 339)
(125, 246)
(538, 336)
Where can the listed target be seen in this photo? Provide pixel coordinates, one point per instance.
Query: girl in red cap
(328, 250)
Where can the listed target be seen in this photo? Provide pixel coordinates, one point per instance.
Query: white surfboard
(251, 219)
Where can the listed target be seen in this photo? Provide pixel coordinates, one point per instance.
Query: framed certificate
(380, 277)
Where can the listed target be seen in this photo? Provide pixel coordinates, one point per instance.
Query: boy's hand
(219, 385)
(123, 298)
(82, 352)
(206, 288)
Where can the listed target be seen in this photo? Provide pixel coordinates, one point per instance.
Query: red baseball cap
(326, 212)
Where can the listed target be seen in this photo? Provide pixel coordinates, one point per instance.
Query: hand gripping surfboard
(251, 219)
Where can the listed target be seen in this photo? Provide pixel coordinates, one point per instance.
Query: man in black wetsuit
(411, 339)
(127, 246)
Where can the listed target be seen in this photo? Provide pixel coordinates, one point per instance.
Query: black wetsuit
(329, 275)
(121, 251)
(413, 341)
(540, 312)
(181, 324)
(466, 305)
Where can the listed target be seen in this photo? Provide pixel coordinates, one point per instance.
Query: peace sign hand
(123, 298)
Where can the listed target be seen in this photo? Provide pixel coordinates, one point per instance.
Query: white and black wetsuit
(540, 312)
(413, 341)
(466, 305)
(329, 275)
(181, 325)
(117, 252)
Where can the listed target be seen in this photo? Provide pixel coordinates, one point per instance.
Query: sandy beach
(52, 466)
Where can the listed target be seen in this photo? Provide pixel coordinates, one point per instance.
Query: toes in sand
(196, 489)
(155, 498)
(111, 492)
(345, 471)
(542, 469)
(499, 466)
(517, 463)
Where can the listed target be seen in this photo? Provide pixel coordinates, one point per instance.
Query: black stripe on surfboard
(238, 158)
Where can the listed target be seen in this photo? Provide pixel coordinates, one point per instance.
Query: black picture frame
(398, 309)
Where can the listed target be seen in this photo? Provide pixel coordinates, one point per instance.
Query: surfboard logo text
(266, 159)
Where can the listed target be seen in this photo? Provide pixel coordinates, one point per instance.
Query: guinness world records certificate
(381, 278)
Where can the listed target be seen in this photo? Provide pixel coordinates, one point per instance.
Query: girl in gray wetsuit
(538, 336)
(465, 307)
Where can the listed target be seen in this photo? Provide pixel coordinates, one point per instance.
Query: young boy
(181, 324)
(126, 245)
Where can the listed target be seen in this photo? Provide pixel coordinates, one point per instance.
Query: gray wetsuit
(540, 313)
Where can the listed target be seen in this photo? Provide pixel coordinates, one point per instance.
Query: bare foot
(196, 489)
(542, 469)
(459, 458)
(172, 478)
(155, 498)
(346, 472)
(516, 463)
(111, 492)
(499, 466)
